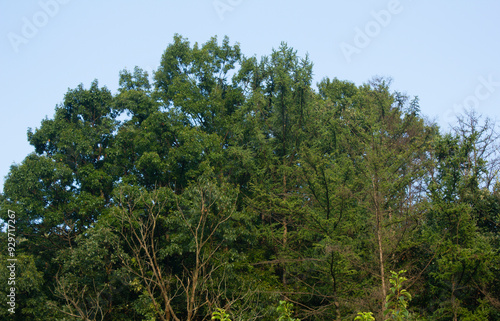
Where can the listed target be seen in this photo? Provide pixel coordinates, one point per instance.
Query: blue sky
(447, 53)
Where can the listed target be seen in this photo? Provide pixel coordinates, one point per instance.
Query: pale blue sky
(447, 53)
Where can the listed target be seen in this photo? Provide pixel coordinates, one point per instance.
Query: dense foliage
(226, 184)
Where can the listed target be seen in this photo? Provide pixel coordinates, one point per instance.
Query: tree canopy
(231, 182)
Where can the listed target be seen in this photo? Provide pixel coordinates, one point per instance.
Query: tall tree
(462, 256)
(195, 81)
(388, 148)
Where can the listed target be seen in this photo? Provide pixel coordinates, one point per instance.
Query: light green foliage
(285, 310)
(397, 300)
(364, 316)
(221, 315)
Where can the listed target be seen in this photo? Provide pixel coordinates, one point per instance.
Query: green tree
(228, 183)
(463, 256)
(195, 81)
(388, 148)
(60, 191)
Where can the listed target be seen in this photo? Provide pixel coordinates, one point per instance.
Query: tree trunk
(381, 258)
(335, 298)
(378, 216)
(285, 231)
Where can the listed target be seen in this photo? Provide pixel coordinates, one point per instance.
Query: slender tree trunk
(285, 232)
(453, 301)
(335, 298)
(285, 226)
(381, 258)
(378, 216)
